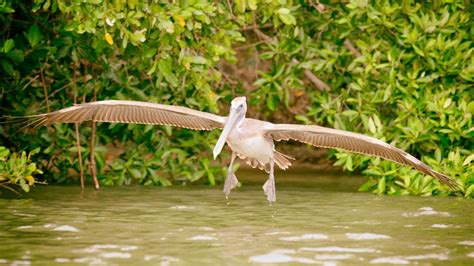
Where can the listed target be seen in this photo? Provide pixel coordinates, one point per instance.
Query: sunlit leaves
(17, 169)
(407, 84)
(285, 16)
(401, 72)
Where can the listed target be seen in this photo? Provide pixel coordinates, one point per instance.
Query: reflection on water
(316, 220)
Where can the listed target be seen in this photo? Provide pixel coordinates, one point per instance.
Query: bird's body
(248, 142)
(249, 139)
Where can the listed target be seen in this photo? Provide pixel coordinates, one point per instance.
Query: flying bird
(249, 139)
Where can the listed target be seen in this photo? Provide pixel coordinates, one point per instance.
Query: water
(316, 220)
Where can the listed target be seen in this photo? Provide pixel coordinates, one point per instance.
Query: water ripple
(366, 236)
(182, 207)
(304, 237)
(202, 238)
(425, 211)
(390, 260)
(24, 227)
(333, 256)
(66, 228)
(467, 243)
(116, 255)
(340, 249)
(280, 256)
(441, 225)
(407, 259)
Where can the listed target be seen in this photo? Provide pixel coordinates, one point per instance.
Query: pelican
(249, 139)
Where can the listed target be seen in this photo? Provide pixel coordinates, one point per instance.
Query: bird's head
(239, 104)
(238, 108)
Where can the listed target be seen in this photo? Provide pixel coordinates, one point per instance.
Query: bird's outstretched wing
(133, 112)
(332, 138)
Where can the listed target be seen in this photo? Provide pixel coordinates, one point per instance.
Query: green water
(316, 220)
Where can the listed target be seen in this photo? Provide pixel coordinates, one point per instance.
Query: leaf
(350, 113)
(16, 55)
(168, 26)
(468, 160)
(252, 4)
(211, 178)
(302, 119)
(438, 155)
(8, 67)
(366, 186)
(447, 103)
(199, 60)
(25, 187)
(166, 69)
(240, 5)
(260, 82)
(418, 51)
(34, 35)
(108, 38)
(181, 21)
(137, 174)
(30, 179)
(371, 125)
(470, 107)
(348, 164)
(377, 122)
(381, 186)
(163, 181)
(35, 151)
(8, 45)
(152, 69)
(469, 191)
(387, 93)
(272, 102)
(4, 9)
(286, 17)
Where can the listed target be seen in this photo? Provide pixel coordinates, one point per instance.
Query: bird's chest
(251, 145)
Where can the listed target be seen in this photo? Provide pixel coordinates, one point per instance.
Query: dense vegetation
(397, 70)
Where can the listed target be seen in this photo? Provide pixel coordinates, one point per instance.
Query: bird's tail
(282, 160)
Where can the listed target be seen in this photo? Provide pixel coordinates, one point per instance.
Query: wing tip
(449, 181)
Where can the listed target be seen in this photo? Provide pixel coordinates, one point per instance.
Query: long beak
(229, 125)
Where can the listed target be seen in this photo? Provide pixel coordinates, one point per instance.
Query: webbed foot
(230, 183)
(269, 189)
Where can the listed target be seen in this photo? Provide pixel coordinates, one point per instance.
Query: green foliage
(17, 169)
(399, 71)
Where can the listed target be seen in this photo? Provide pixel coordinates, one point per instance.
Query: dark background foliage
(401, 71)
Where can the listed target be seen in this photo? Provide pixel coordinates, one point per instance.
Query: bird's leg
(231, 180)
(269, 186)
(93, 167)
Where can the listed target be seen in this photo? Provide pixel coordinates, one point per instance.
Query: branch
(262, 35)
(43, 83)
(352, 48)
(76, 132)
(321, 85)
(247, 28)
(320, 7)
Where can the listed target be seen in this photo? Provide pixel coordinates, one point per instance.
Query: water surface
(316, 220)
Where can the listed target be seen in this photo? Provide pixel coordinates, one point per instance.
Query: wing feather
(133, 112)
(357, 143)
